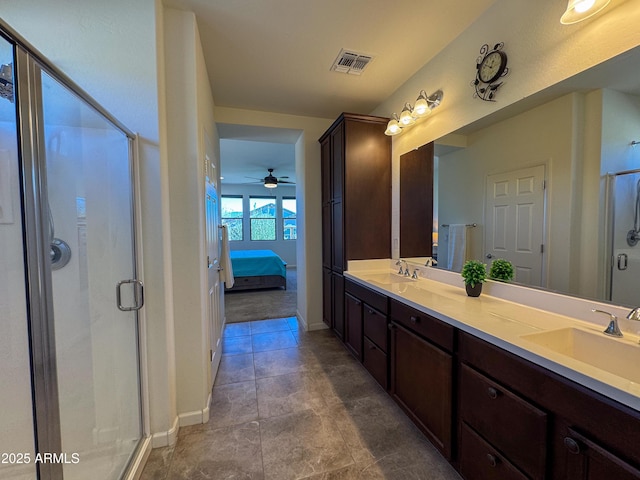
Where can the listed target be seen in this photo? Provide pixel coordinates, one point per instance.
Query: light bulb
(584, 5)
(405, 117)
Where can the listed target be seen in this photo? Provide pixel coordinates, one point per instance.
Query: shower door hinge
(541, 248)
(211, 355)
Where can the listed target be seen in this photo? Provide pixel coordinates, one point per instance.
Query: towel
(226, 272)
(457, 247)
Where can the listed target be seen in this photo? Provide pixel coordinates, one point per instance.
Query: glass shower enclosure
(70, 406)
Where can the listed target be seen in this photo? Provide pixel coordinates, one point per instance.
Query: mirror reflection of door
(514, 215)
(416, 202)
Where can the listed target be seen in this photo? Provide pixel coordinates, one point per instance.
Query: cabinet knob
(370, 311)
(372, 346)
(572, 445)
(414, 319)
(492, 392)
(493, 461)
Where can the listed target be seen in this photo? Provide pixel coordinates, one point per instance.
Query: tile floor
(289, 404)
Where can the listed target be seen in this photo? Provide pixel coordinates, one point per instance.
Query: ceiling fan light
(578, 10)
(270, 184)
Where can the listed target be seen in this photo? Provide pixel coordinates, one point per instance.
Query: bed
(254, 269)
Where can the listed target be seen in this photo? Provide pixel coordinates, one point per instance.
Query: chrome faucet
(415, 274)
(431, 262)
(634, 314)
(399, 263)
(612, 329)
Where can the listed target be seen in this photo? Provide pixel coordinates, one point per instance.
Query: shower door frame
(38, 282)
(611, 225)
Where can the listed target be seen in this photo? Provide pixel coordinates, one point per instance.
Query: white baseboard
(196, 417)
(206, 412)
(168, 438)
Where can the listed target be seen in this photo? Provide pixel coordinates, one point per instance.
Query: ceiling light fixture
(409, 115)
(578, 10)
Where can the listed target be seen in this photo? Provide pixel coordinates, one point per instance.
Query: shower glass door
(88, 200)
(625, 268)
(16, 411)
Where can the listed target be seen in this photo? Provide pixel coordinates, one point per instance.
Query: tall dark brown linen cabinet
(356, 204)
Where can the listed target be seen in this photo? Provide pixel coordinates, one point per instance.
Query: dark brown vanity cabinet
(356, 198)
(367, 329)
(513, 430)
(421, 368)
(517, 418)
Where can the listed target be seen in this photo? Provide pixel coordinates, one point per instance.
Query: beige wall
(189, 118)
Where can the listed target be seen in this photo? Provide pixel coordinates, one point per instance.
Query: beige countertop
(505, 324)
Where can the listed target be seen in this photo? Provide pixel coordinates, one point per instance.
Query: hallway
(289, 404)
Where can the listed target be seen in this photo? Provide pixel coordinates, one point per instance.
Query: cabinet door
(327, 236)
(353, 325)
(421, 383)
(337, 284)
(325, 149)
(327, 297)
(337, 162)
(586, 460)
(325, 158)
(337, 240)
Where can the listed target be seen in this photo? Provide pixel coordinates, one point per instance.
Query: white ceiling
(276, 56)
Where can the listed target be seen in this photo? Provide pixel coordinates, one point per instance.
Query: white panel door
(514, 214)
(213, 257)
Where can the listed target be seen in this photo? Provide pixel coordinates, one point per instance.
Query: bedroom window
(289, 218)
(262, 218)
(232, 214)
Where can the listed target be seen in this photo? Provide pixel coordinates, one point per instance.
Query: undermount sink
(596, 349)
(387, 278)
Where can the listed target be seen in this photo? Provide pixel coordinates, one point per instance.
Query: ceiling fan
(270, 181)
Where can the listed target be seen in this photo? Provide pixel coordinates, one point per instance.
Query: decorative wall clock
(490, 67)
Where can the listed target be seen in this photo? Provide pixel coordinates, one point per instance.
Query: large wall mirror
(550, 183)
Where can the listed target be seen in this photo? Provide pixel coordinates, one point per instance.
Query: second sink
(595, 349)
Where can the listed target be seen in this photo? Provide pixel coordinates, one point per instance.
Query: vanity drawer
(430, 328)
(375, 361)
(368, 296)
(375, 327)
(511, 424)
(479, 460)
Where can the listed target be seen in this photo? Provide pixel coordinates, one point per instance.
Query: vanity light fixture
(424, 104)
(393, 127)
(578, 10)
(406, 116)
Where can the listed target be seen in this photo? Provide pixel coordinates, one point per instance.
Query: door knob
(489, 255)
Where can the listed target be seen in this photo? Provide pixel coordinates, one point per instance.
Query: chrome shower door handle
(622, 261)
(138, 295)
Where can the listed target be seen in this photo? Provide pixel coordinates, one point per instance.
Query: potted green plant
(474, 273)
(501, 270)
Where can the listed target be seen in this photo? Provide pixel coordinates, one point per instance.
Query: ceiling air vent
(351, 62)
